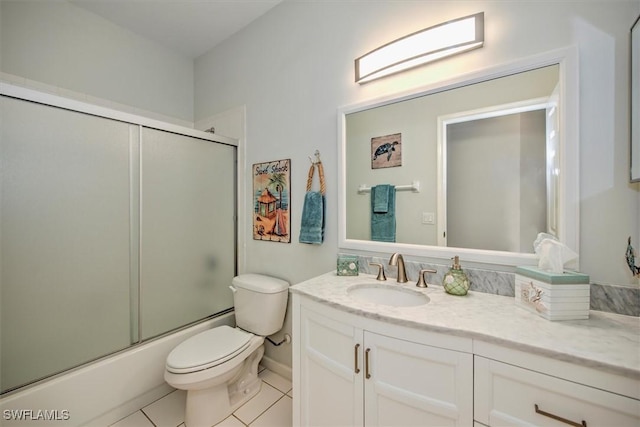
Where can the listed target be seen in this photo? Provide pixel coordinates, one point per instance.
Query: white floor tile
(137, 419)
(279, 415)
(270, 407)
(275, 380)
(230, 422)
(260, 403)
(168, 411)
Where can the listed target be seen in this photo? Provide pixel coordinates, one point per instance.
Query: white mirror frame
(568, 188)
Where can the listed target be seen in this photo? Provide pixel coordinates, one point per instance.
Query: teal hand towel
(380, 196)
(383, 224)
(313, 211)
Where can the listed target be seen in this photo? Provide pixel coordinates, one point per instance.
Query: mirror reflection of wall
(417, 120)
(496, 182)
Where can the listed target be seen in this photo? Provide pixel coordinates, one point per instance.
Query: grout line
(274, 386)
(144, 413)
(241, 422)
(265, 411)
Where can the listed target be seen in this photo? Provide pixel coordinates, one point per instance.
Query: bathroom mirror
(451, 185)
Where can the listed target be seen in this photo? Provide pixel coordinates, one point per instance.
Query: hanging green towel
(313, 210)
(312, 229)
(380, 197)
(383, 224)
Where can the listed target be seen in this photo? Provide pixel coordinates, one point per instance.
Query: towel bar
(414, 186)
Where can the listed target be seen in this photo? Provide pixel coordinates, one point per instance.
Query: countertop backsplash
(609, 298)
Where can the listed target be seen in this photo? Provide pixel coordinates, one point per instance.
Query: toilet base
(208, 406)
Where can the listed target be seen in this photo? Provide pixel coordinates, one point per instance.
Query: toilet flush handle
(234, 290)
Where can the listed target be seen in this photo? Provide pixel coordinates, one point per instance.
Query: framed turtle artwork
(271, 190)
(386, 151)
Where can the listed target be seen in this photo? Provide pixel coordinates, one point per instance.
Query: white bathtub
(103, 392)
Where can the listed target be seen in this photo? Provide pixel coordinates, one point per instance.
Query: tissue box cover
(347, 265)
(553, 296)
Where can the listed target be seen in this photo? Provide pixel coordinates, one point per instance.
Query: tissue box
(554, 296)
(347, 265)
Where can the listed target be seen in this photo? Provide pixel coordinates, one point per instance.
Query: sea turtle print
(385, 148)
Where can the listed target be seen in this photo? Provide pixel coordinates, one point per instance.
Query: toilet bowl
(219, 367)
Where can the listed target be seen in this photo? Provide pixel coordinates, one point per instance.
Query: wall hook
(317, 160)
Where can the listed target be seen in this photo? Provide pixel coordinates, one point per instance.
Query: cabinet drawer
(505, 395)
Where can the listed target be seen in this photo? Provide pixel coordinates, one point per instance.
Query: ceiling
(191, 27)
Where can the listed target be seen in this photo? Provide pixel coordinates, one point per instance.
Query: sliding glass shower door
(64, 228)
(187, 234)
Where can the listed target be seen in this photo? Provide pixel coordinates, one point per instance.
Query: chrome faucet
(397, 260)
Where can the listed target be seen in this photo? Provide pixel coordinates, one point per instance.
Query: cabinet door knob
(355, 358)
(366, 363)
(558, 418)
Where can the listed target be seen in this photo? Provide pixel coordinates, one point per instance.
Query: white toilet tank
(260, 303)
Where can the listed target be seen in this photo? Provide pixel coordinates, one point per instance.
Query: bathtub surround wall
(609, 298)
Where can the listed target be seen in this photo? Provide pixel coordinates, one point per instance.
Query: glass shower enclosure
(112, 232)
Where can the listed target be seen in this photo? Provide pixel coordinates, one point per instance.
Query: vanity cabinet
(352, 371)
(507, 395)
(474, 361)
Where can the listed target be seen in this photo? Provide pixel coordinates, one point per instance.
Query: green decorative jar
(455, 281)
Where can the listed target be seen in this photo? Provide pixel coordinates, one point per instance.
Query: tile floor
(271, 407)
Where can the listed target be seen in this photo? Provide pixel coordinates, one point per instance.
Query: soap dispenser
(455, 281)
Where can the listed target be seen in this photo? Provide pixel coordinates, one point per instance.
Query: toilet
(219, 367)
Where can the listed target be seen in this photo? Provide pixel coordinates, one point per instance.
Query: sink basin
(391, 295)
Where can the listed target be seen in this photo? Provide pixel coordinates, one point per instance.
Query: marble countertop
(606, 341)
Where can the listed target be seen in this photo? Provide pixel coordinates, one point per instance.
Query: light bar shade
(424, 46)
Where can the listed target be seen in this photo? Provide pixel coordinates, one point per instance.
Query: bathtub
(102, 392)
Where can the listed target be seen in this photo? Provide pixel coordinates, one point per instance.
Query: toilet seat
(208, 349)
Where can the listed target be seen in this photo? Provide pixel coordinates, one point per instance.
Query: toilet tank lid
(260, 283)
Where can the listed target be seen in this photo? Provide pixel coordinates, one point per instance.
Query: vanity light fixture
(424, 46)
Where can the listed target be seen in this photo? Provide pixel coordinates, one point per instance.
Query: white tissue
(552, 254)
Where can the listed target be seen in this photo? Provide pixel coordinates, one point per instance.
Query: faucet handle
(421, 282)
(381, 275)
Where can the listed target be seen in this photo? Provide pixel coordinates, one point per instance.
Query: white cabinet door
(347, 376)
(507, 395)
(330, 360)
(410, 384)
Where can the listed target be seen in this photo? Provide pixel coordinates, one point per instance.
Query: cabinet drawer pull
(366, 363)
(557, 418)
(355, 358)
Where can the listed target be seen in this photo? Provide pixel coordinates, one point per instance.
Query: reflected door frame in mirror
(546, 212)
(568, 181)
